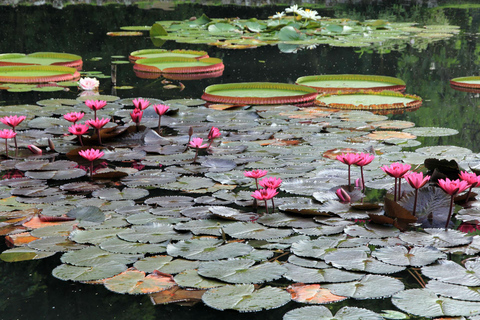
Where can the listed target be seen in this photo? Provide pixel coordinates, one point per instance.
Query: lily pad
(322, 313)
(133, 281)
(207, 249)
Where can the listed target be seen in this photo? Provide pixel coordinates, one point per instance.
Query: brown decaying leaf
(312, 293)
(176, 294)
(333, 153)
(19, 239)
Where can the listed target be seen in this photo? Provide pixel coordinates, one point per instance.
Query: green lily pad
(431, 131)
(322, 313)
(23, 254)
(191, 279)
(133, 281)
(245, 298)
(370, 287)
(74, 273)
(92, 256)
(207, 249)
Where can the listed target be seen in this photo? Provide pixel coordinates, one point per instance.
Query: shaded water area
(29, 291)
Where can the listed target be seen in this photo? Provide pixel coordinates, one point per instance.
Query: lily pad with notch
(369, 287)
(322, 313)
(207, 249)
(133, 281)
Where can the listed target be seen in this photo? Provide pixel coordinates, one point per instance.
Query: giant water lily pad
(351, 83)
(259, 93)
(181, 65)
(369, 100)
(37, 74)
(472, 82)
(160, 53)
(245, 298)
(42, 58)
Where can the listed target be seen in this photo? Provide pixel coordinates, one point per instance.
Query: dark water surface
(27, 289)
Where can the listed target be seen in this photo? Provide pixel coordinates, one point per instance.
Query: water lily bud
(51, 145)
(343, 195)
(35, 149)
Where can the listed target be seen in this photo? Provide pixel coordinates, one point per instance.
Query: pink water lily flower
(160, 109)
(255, 174)
(472, 179)
(98, 124)
(197, 144)
(140, 103)
(7, 134)
(91, 155)
(270, 182)
(397, 170)
(363, 160)
(12, 121)
(212, 134)
(416, 180)
(95, 105)
(452, 187)
(136, 115)
(265, 194)
(88, 84)
(73, 116)
(78, 129)
(348, 159)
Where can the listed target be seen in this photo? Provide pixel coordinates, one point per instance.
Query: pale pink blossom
(88, 84)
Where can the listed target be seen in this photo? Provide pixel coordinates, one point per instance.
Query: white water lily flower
(278, 15)
(88, 84)
(294, 9)
(310, 14)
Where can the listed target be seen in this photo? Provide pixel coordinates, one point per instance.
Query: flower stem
(395, 191)
(349, 176)
(6, 147)
(468, 193)
(266, 207)
(196, 155)
(399, 188)
(159, 127)
(363, 180)
(449, 213)
(91, 169)
(415, 203)
(273, 206)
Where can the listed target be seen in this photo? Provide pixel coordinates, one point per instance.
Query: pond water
(28, 289)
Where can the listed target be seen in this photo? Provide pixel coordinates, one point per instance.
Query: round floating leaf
(92, 256)
(232, 214)
(55, 244)
(88, 213)
(285, 220)
(124, 194)
(454, 291)
(308, 263)
(120, 246)
(370, 287)
(438, 238)
(155, 233)
(191, 279)
(171, 201)
(246, 230)
(68, 272)
(95, 236)
(431, 131)
(322, 313)
(208, 226)
(315, 248)
(358, 260)
(451, 272)
(401, 256)
(133, 281)
(308, 275)
(425, 303)
(23, 254)
(207, 249)
(152, 263)
(56, 175)
(241, 271)
(312, 294)
(244, 298)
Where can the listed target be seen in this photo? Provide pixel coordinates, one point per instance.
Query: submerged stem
(449, 213)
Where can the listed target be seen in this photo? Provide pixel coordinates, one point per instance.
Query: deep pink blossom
(453, 187)
(364, 159)
(264, 194)
(396, 170)
(141, 103)
(91, 154)
(270, 182)
(73, 116)
(214, 133)
(160, 109)
(472, 179)
(467, 227)
(255, 174)
(78, 129)
(96, 104)
(136, 115)
(416, 179)
(12, 121)
(34, 149)
(97, 123)
(197, 143)
(348, 158)
(7, 134)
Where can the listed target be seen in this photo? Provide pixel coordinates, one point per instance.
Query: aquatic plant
(452, 187)
(416, 180)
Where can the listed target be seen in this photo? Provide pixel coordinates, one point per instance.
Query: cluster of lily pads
(181, 224)
(296, 29)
